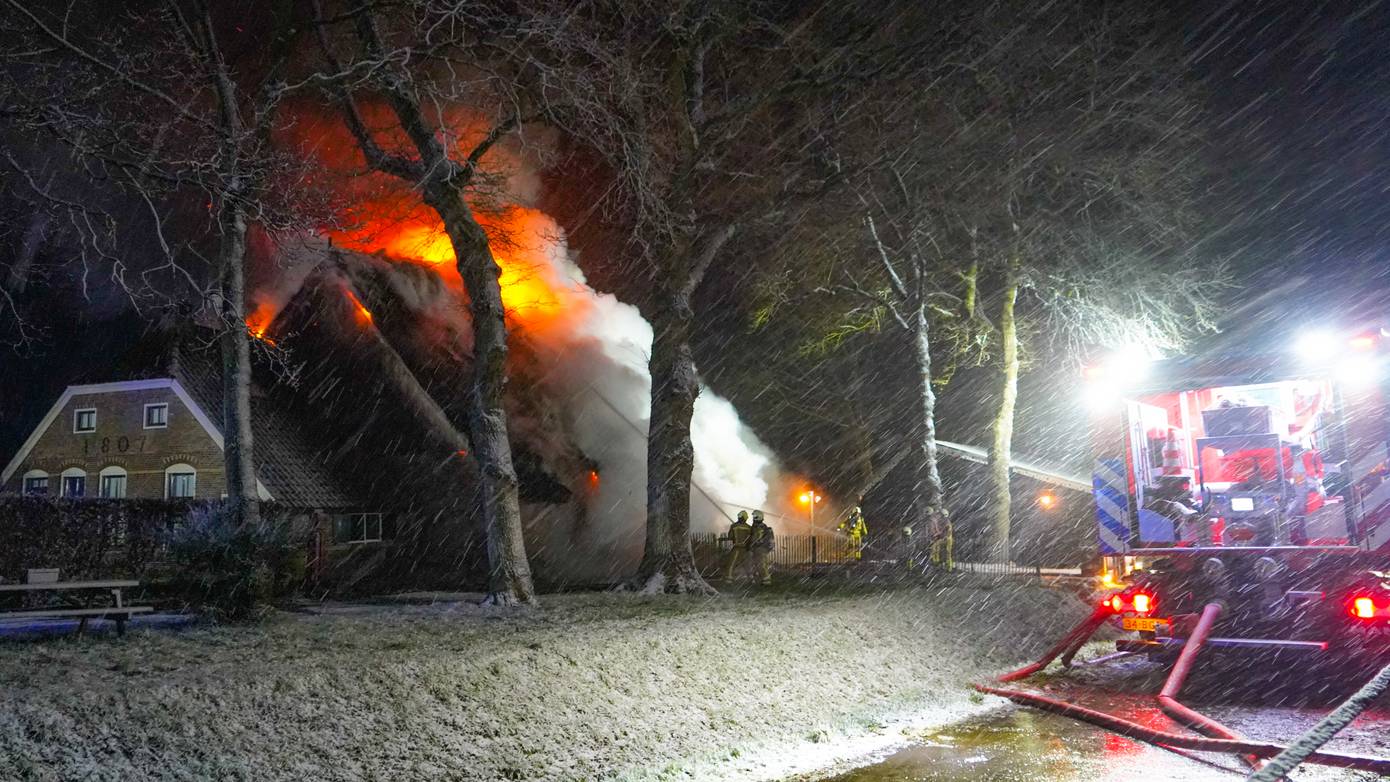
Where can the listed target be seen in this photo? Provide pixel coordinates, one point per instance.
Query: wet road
(1015, 743)
(1024, 745)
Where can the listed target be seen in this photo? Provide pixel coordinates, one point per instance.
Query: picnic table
(78, 597)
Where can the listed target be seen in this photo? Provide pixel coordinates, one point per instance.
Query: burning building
(381, 343)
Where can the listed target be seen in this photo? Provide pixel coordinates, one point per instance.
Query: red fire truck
(1258, 483)
(1242, 505)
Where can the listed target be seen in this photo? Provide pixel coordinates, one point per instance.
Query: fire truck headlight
(1358, 371)
(1102, 395)
(1318, 345)
(1131, 363)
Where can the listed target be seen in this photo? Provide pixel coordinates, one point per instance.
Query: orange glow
(1142, 603)
(593, 477)
(363, 315)
(1363, 342)
(519, 241)
(1363, 608)
(387, 215)
(1047, 500)
(258, 322)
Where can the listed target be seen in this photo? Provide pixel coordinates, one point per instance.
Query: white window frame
(77, 416)
(113, 471)
(367, 537)
(72, 472)
(145, 418)
(181, 468)
(24, 483)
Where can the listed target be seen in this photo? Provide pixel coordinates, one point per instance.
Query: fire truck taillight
(1138, 602)
(1363, 608)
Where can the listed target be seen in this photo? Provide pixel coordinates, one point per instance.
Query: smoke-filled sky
(1299, 95)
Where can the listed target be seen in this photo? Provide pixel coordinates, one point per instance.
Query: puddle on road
(1025, 745)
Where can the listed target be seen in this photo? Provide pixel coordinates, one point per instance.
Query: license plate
(1142, 623)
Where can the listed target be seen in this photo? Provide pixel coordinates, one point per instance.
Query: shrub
(231, 571)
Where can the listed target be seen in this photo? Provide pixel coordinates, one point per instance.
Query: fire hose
(1327, 727)
(1134, 730)
(1069, 643)
(1168, 696)
(1083, 631)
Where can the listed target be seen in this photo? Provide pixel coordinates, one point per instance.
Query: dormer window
(84, 420)
(157, 416)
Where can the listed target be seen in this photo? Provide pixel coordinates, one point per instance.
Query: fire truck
(1242, 506)
(1258, 484)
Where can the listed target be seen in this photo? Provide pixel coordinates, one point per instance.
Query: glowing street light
(1047, 500)
(809, 498)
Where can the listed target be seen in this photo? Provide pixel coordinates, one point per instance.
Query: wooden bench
(79, 591)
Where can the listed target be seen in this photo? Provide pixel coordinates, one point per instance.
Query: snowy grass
(593, 686)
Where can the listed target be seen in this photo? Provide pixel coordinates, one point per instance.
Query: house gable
(121, 438)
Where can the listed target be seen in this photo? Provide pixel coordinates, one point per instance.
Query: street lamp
(1047, 500)
(809, 498)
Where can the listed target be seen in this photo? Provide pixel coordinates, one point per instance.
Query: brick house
(137, 438)
(160, 438)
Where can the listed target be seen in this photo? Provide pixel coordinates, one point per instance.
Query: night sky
(1299, 96)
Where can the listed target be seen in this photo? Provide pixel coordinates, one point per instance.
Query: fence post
(813, 552)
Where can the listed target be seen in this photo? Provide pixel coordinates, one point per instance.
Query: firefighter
(943, 543)
(760, 544)
(854, 528)
(739, 534)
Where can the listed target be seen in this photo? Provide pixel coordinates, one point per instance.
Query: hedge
(87, 538)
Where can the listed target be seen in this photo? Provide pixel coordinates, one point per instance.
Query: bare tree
(1038, 184)
(432, 56)
(1089, 219)
(709, 119)
(151, 108)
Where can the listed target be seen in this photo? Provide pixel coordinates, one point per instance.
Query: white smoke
(599, 376)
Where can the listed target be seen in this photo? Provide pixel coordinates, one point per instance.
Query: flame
(360, 311)
(387, 216)
(259, 322)
(518, 238)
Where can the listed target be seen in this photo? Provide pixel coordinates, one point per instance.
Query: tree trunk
(1001, 453)
(927, 476)
(243, 501)
(509, 572)
(668, 565)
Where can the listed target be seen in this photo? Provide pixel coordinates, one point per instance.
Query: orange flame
(259, 321)
(363, 315)
(388, 216)
(518, 239)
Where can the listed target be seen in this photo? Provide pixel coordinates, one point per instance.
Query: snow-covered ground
(592, 686)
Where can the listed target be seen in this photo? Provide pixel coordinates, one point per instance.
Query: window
(36, 482)
(360, 528)
(74, 482)
(84, 420)
(113, 483)
(157, 416)
(180, 481)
